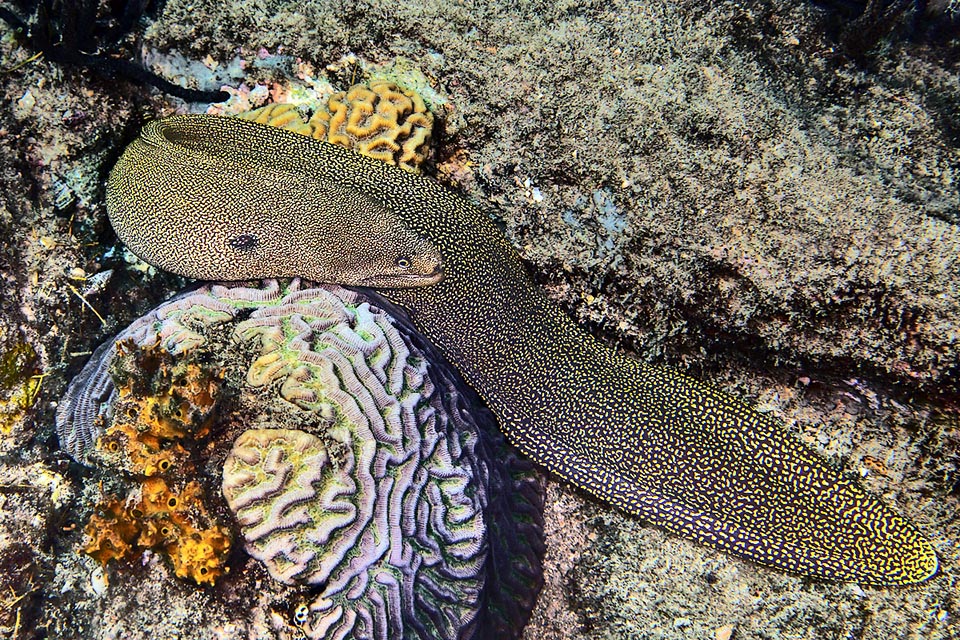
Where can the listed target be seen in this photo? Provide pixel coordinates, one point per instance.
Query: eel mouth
(404, 280)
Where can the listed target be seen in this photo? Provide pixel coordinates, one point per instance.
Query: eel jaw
(403, 280)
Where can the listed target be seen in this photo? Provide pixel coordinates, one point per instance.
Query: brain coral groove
(377, 478)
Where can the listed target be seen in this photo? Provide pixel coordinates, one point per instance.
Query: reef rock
(362, 468)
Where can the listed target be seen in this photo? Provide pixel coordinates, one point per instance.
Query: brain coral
(361, 466)
(380, 120)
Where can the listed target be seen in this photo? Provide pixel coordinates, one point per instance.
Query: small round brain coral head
(361, 466)
(377, 119)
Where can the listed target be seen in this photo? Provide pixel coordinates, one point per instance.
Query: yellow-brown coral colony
(159, 412)
(380, 120)
(281, 115)
(160, 402)
(161, 518)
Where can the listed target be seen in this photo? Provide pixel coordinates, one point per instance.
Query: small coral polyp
(377, 119)
(362, 470)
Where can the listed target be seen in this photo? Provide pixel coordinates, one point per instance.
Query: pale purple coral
(397, 501)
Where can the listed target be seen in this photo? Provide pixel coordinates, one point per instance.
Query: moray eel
(652, 441)
(340, 235)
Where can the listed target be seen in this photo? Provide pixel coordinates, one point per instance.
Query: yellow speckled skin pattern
(247, 219)
(649, 440)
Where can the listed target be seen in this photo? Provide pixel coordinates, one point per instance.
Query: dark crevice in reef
(76, 33)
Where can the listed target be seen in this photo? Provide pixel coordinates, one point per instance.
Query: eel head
(187, 198)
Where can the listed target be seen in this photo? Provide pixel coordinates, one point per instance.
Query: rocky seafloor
(730, 188)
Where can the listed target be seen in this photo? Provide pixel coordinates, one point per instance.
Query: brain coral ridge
(376, 479)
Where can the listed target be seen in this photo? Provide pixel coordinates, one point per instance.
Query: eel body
(654, 442)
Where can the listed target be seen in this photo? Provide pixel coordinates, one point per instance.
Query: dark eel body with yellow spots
(649, 440)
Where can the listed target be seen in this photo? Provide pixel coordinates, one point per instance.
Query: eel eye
(404, 262)
(244, 242)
